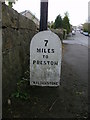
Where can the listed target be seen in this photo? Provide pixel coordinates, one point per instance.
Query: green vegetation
(21, 92)
(62, 23)
(20, 95)
(86, 27)
(66, 23)
(58, 22)
(10, 4)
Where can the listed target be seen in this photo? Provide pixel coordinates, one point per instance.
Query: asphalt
(70, 100)
(77, 57)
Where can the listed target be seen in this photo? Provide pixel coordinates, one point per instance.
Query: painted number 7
(46, 42)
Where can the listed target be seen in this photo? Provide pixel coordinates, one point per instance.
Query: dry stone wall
(17, 32)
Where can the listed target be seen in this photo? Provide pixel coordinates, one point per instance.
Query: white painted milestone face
(45, 59)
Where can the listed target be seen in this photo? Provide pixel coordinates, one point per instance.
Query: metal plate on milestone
(45, 59)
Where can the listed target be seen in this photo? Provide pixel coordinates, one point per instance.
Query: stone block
(25, 23)
(17, 32)
(9, 17)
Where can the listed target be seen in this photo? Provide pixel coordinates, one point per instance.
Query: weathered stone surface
(45, 59)
(17, 32)
(0, 14)
(12, 69)
(9, 17)
(24, 22)
(12, 18)
(0, 61)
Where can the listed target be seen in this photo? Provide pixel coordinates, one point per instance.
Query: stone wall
(17, 32)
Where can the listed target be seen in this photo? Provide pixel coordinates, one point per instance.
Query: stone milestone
(45, 59)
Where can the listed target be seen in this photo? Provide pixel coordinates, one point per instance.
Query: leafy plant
(21, 85)
(66, 23)
(58, 22)
(20, 95)
(11, 2)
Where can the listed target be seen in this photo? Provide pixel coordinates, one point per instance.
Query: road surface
(77, 55)
(77, 39)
